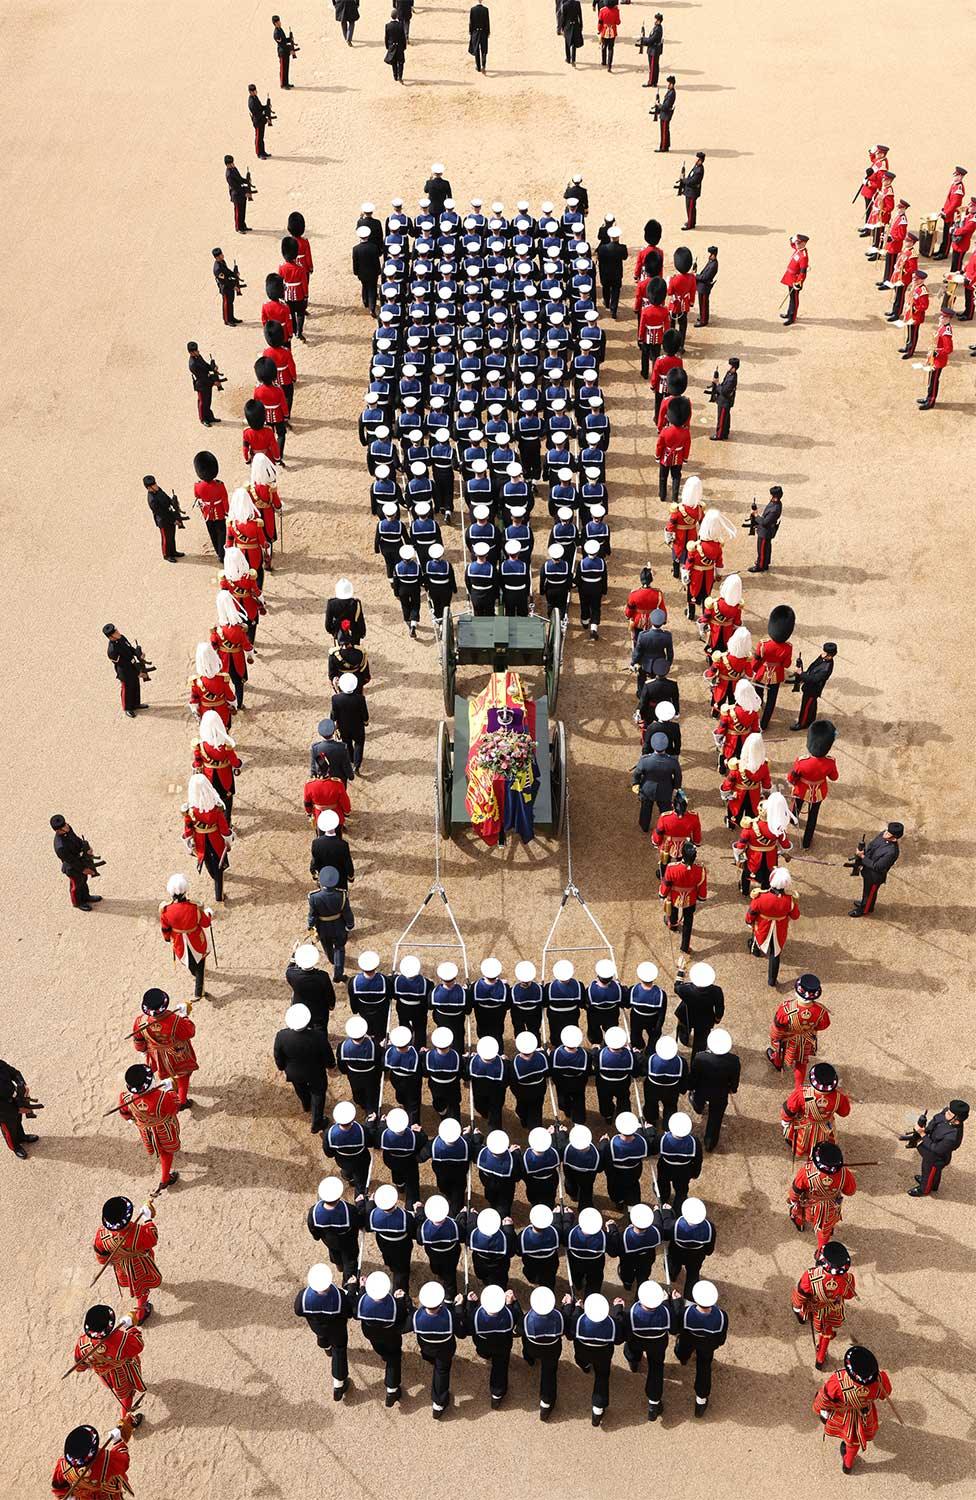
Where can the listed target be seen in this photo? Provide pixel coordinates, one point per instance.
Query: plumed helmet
(781, 623)
(683, 259)
(206, 466)
(821, 736)
(861, 1364)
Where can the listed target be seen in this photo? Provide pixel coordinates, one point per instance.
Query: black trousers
(687, 923)
(542, 1189)
(348, 30)
(407, 1091)
(669, 473)
(369, 295)
(444, 1266)
(547, 1360)
(415, 1017)
(658, 1099)
(689, 1261)
(217, 531)
(440, 1359)
(541, 1270)
(599, 1019)
(634, 1352)
(498, 1364)
(339, 1350)
(591, 606)
(344, 1255)
(572, 1102)
(312, 1099)
(691, 212)
(808, 708)
(197, 967)
(587, 1272)
(684, 1347)
(793, 306)
(78, 889)
(770, 694)
(612, 1097)
(399, 58)
(499, 1194)
(569, 43)
(580, 1186)
(611, 295)
(480, 53)
(446, 1099)
(645, 1028)
(869, 893)
(723, 423)
(673, 1182)
(716, 1105)
(597, 1360)
(665, 142)
(355, 1169)
(528, 1107)
(392, 1354)
(932, 390)
(606, 51)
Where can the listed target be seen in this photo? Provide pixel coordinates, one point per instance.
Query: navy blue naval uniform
(336, 1226)
(437, 1331)
(383, 1320)
(327, 1315)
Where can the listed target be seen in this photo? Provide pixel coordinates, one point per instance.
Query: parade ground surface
(116, 122)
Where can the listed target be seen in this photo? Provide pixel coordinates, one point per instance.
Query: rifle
(249, 187)
(797, 678)
(854, 865)
(641, 43)
(269, 114)
(857, 195)
(679, 186)
(655, 109)
(145, 668)
(914, 1136)
(749, 524)
(711, 391)
(219, 377)
(295, 49)
(238, 284)
(181, 516)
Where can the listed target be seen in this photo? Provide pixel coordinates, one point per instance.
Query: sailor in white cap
(556, 579)
(692, 1239)
(359, 1057)
(563, 996)
(702, 1328)
(335, 1223)
(440, 584)
(648, 1325)
(495, 1320)
(648, 1006)
(345, 1142)
(407, 583)
(581, 1164)
(439, 1237)
(588, 1243)
(595, 1332)
(489, 999)
(383, 1315)
(539, 1244)
(679, 1158)
(525, 999)
(614, 1065)
(350, 714)
(491, 1240)
(701, 1005)
(310, 985)
(639, 1240)
(714, 1076)
(441, 1063)
(542, 1344)
(622, 1158)
(529, 1079)
(591, 586)
(499, 1170)
(401, 1064)
(487, 1071)
(393, 1227)
(481, 580)
(304, 1054)
(570, 1065)
(604, 997)
(411, 992)
(326, 1309)
(667, 1078)
(449, 1002)
(369, 994)
(437, 1326)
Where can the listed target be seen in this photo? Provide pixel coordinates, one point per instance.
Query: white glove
(125, 1322)
(115, 1436)
(145, 1211)
(207, 912)
(167, 1085)
(181, 1010)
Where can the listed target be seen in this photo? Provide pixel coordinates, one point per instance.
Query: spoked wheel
(553, 657)
(445, 777)
(448, 650)
(558, 772)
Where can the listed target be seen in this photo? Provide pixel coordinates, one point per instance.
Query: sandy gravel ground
(116, 121)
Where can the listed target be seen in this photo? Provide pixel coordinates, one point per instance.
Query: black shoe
(916, 1192)
(818, 1364)
(856, 911)
(138, 1417)
(94, 900)
(130, 714)
(338, 1391)
(173, 559)
(83, 905)
(654, 1410)
(496, 1401)
(173, 1177)
(187, 1104)
(179, 554)
(701, 1407)
(28, 1140)
(19, 1151)
(545, 1412)
(392, 1397)
(596, 1418)
(795, 727)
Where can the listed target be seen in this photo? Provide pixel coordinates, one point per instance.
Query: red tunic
(325, 793)
(304, 256)
(273, 399)
(132, 1251)
(246, 593)
(278, 312)
(213, 499)
(672, 830)
(642, 255)
(232, 646)
(796, 272)
(742, 790)
(673, 446)
(682, 526)
(760, 846)
(850, 1407)
(250, 537)
(287, 373)
(721, 619)
(882, 206)
(734, 724)
(962, 234)
(897, 230)
(218, 763)
(943, 348)
(202, 828)
(919, 306)
(770, 914)
(810, 775)
(681, 292)
(660, 368)
(102, 1480)
(184, 924)
(808, 1117)
(662, 416)
(723, 674)
(954, 197)
(115, 1360)
(261, 440)
(296, 282)
(654, 323)
(267, 500)
(640, 605)
(154, 1116)
(684, 885)
(771, 661)
(215, 693)
(820, 1294)
(794, 1029)
(167, 1041)
(704, 558)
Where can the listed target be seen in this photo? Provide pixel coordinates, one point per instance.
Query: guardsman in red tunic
(210, 493)
(673, 447)
(681, 528)
(641, 603)
(245, 531)
(673, 830)
(903, 270)
(279, 352)
(276, 309)
(296, 284)
(937, 360)
(296, 228)
(819, 1296)
(846, 1403)
(808, 1114)
(873, 175)
(747, 781)
(895, 239)
(128, 1240)
(722, 613)
(736, 722)
(683, 884)
(795, 275)
(705, 557)
(769, 916)
(326, 793)
(761, 841)
(272, 398)
(818, 1190)
(794, 1027)
(950, 208)
(669, 359)
(682, 287)
(215, 756)
(917, 298)
(729, 667)
(882, 208)
(962, 235)
(206, 831)
(263, 490)
(152, 1107)
(773, 657)
(211, 688)
(90, 1470)
(166, 1038)
(241, 583)
(230, 640)
(184, 926)
(113, 1350)
(259, 436)
(811, 775)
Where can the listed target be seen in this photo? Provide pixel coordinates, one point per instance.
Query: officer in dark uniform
(326, 1309)
(239, 194)
(935, 1141)
(203, 378)
(304, 1054)
(654, 43)
(811, 682)
(228, 285)
(130, 668)
(691, 186)
(714, 1076)
(330, 757)
(705, 279)
(872, 863)
(665, 113)
(395, 42)
(767, 525)
(335, 1223)
(77, 862)
(14, 1109)
(260, 119)
(722, 392)
(366, 266)
(330, 915)
(166, 514)
(571, 28)
(479, 30)
(611, 258)
(286, 49)
(656, 777)
(701, 1006)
